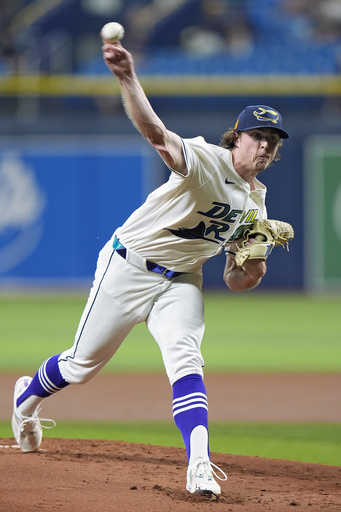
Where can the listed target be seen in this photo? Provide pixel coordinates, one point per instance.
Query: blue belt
(151, 266)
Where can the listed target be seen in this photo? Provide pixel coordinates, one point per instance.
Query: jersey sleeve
(201, 160)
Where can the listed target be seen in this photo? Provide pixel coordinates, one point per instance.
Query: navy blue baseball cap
(260, 116)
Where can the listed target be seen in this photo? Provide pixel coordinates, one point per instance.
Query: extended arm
(139, 110)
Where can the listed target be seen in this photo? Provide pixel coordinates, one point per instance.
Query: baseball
(112, 32)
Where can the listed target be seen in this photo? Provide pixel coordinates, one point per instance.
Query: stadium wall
(71, 175)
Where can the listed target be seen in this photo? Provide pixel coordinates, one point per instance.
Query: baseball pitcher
(151, 269)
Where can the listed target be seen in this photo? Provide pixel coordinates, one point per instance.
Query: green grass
(315, 443)
(246, 332)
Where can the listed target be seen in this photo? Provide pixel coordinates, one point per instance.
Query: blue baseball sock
(190, 408)
(47, 380)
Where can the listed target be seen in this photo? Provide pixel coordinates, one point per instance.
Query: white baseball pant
(122, 296)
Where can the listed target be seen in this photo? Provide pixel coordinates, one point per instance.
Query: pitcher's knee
(177, 372)
(76, 372)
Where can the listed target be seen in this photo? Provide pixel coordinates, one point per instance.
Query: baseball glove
(269, 234)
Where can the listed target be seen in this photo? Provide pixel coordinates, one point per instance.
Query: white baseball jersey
(190, 218)
(182, 224)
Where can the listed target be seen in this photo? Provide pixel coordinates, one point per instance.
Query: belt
(150, 265)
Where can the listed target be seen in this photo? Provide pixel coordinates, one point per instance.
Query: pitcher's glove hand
(268, 234)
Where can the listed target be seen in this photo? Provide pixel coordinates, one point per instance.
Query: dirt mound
(103, 476)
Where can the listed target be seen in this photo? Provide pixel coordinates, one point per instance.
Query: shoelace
(205, 468)
(35, 419)
(221, 471)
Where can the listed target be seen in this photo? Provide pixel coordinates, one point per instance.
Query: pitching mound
(101, 476)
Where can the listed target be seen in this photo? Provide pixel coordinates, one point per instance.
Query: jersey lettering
(249, 216)
(238, 233)
(218, 211)
(221, 211)
(215, 227)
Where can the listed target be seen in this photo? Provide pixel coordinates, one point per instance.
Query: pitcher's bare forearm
(139, 109)
(246, 277)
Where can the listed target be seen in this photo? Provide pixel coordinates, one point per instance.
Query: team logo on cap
(266, 115)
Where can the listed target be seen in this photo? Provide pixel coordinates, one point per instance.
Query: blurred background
(72, 166)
